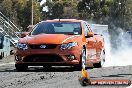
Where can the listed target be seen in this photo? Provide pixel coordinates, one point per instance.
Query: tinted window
(57, 28)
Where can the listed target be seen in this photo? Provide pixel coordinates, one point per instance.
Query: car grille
(43, 58)
(46, 46)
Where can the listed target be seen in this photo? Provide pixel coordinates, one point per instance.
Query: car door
(90, 45)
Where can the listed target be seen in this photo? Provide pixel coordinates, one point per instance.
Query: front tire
(21, 67)
(3, 55)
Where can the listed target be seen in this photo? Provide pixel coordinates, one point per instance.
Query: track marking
(7, 63)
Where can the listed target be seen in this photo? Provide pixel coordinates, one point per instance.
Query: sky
(44, 8)
(42, 2)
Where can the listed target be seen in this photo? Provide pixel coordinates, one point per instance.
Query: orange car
(60, 42)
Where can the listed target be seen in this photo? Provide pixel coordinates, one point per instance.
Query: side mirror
(24, 34)
(89, 34)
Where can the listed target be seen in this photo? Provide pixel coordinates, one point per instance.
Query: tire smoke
(118, 46)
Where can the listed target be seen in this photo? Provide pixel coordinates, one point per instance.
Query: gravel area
(7, 59)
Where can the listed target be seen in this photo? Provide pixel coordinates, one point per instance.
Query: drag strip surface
(63, 77)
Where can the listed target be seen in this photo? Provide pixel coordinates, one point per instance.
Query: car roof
(63, 20)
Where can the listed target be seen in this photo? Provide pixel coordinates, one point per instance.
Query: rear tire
(102, 60)
(21, 67)
(98, 65)
(1, 56)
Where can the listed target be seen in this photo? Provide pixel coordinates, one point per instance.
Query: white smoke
(118, 50)
(122, 55)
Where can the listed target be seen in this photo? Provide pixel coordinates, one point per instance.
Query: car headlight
(22, 46)
(68, 45)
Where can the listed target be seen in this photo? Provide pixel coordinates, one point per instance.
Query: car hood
(50, 39)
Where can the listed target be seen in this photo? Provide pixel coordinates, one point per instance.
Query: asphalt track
(58, 77)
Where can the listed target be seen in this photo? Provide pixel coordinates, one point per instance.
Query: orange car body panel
(94, 45)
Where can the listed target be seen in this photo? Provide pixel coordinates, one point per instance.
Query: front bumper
(54, 57)
(70, 63)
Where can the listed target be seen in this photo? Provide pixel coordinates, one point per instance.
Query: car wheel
(82, 62)
(1, 56)
(21, 67)
(102, 60)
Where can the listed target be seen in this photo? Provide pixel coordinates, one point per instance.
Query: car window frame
(86, 29)
(57, 21)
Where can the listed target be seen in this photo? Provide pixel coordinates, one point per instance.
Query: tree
(60, 9)
(57, 10)
(97, 8)
(7, 7)
(48, 14)
(128, 15)
(20, 6)
(70, 10)
(24, 9)
(36, 13)
(19, 11)
(117, 13)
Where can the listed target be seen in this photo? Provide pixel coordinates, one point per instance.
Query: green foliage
(61, 9)
(81, 6)
(7, 7)
(57, 10)
(99, 8)
(1, 1)
(105, 10)
(70, 10)
(101, 11)
(20, 7)
(36, 14)
(109, 2)
(19, 11)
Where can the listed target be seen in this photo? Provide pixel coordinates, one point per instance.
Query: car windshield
(72, 28)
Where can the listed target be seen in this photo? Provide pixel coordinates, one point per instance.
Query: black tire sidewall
(20, 67)
(102, 61)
